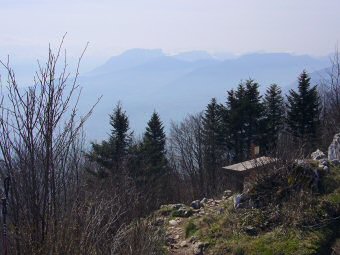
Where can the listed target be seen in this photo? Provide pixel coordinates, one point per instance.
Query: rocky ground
(301, 222)
(179, 217)
(292, 209)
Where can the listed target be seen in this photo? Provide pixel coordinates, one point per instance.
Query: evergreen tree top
(304, 81)
(121, 136)
(273, 89)
(303, 109)
(273, 97)
(119, 120)
(212, 114)
(154, 133)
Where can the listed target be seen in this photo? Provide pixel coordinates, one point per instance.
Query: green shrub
(239, 251)
(182, 213)
(190, 229)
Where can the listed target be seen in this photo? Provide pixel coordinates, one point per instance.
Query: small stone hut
(236, 174)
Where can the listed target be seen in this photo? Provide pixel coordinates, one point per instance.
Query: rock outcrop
(321, 157)
(334, 148)
(317, 155)
(196, 204)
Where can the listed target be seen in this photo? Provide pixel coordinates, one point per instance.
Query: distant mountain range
(176, 85)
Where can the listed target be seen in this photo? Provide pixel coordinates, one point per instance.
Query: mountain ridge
(148, 80)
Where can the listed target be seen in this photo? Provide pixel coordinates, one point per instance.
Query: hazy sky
(112, 26)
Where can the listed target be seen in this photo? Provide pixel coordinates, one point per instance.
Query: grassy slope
(225, 233)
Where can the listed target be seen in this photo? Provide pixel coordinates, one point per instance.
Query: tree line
(197, 147)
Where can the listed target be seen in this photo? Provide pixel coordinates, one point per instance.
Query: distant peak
(128, 59)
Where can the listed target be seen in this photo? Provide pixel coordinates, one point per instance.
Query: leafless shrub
(288, 149)
(142, 237)
(330, 100)
(91, 226)
(278, 178)
(186, 152)
(40, 133)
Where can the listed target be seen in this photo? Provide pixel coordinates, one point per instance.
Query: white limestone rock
(318, 155)
(334, 148)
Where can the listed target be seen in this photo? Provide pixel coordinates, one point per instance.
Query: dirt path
(178, 244)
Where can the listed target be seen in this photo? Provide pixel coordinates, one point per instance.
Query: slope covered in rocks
(292, 209)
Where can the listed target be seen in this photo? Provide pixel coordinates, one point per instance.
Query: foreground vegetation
(307, 222)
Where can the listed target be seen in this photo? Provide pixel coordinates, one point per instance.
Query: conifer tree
(234, 124)
(245, 119)
(303, 109)
(253, 115)
(111, 153)
(121, 135)
(155, 164)
(154, 146)
(213, 143)
(274, 116)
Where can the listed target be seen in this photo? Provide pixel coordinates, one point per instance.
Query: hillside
(293, 217)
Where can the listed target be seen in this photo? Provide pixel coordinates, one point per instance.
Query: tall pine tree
(253, 115)
(274, 116)
(244, 120)
(154, 147)
(154, 160)
(234, 124)
(303, 110)
(213, 144)
(112, 153)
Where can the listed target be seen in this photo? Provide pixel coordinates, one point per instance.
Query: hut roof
(250, 164)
